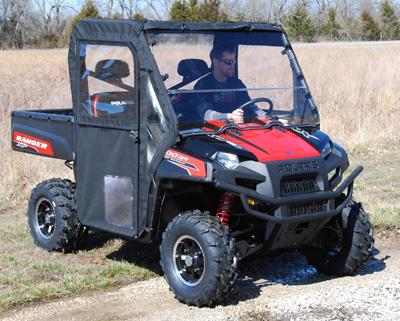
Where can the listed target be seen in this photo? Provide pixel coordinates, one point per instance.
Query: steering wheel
(259, 100)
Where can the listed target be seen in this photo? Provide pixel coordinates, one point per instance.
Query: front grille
(307, 208)
(299, 186)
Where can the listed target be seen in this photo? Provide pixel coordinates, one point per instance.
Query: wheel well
(182, 196)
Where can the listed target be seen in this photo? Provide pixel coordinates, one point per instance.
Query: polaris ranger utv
(151, 165)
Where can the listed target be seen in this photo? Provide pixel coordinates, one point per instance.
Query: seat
(117, 105)
(184, 103)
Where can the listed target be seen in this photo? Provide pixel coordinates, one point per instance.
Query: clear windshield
(238, 77)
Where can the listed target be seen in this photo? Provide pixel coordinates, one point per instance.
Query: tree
(117, 16)
(224, 16)
(130, 8)
(256, 10)
(390, 21)
(89, 10)
(349, 16)
(110, 7)
(194, 11)
(179, 11)
(331, 27)
(299, 24)
(369, 27)
(138, 16)
(12, 23)
(209, 10)
(156, 9)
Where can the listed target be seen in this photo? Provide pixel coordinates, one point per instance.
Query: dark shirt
(218, 104)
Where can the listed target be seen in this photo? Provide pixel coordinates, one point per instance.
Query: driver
(221, 104)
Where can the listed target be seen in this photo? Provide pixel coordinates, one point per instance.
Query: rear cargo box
(44, 132)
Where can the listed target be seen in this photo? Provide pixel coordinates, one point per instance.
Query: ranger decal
(25, 141)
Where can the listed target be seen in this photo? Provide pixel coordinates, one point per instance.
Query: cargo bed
(45, 132)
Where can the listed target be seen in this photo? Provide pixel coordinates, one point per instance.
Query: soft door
(107, 138)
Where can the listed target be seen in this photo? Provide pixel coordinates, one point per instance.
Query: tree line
(48, 23)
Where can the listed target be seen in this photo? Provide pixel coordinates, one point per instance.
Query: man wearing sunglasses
(221, 103)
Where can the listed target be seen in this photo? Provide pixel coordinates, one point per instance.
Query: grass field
(29, 274)
(355, 85)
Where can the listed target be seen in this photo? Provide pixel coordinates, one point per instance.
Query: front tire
(197, 257)
(52, 218)
(350, 240)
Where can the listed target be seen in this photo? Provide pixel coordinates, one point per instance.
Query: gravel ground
(271, 287)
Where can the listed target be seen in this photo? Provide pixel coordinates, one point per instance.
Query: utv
(150, 166)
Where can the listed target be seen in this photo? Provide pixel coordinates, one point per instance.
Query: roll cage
(154, 123)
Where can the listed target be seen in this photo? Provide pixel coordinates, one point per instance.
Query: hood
(266, 145)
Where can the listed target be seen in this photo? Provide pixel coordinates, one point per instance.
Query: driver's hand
(236, 116)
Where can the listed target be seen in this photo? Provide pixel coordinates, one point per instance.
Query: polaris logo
(118, 103)
(298, 167)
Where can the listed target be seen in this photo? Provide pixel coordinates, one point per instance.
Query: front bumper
(245, 193)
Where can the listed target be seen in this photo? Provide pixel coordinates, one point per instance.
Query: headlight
(327, 150)
(229, 161)
(338, 150)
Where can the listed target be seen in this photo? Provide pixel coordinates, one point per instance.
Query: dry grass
(30, 79)
(356, 87)
(34, 79)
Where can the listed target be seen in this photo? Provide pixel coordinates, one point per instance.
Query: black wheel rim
(336, 246)
(45, 218)
(188, 258)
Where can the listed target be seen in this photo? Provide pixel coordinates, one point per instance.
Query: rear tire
(52, 218)
(353, 240)
(197, 257)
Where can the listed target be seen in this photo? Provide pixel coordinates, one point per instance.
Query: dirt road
(270, 288)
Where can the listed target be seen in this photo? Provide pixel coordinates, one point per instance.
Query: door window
(107, 83)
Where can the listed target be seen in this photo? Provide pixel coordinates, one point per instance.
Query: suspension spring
(225, 207)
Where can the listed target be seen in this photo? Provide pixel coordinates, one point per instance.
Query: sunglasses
(228, 61)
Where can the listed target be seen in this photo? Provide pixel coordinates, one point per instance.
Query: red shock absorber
(225, 207)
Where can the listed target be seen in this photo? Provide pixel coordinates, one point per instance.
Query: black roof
(175, 25)
(103, 31)
(125, 25)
